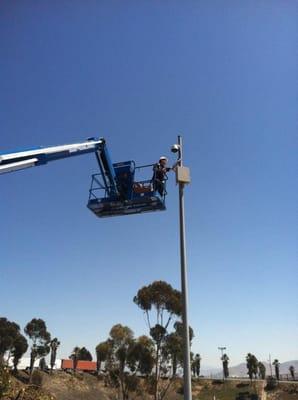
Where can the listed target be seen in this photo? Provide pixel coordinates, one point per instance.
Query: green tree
(37, 332)
(262, 370)
(164, 302)
(84, 354)
(122, 344)
(252, 365)
(122, 359)
(225, 365)
(125, 358)
(142, 355)
(172, 348)
(20, 346)
(9, 332)
(103, 350)
(276, 366)
(292, 371)
(54, 344)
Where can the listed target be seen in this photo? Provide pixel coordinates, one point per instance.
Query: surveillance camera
(175, 148)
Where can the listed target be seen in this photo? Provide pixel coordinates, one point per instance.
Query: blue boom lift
(114, 190)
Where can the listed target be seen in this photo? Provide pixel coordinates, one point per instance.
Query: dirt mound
(58, 386)
(64, 386)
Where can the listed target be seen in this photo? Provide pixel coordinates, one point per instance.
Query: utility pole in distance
(182, 178)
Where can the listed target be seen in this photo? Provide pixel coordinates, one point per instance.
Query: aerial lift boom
(122, 195)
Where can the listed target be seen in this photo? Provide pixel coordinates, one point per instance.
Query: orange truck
(86, 366)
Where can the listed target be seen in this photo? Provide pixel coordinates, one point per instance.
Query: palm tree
(292, 371)
(54, 344)
(225, 364)
(276, 365)
(196, 365)
(75, 357)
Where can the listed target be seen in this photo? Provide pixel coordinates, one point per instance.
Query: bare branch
(169, 320)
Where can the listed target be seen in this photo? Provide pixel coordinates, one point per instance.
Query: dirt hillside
(65, 386)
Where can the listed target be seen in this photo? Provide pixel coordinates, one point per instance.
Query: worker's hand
(174, 167)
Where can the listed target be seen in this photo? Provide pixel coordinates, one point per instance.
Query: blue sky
(224, 74)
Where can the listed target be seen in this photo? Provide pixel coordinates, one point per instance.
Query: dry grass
(285, 391)
(65, 386)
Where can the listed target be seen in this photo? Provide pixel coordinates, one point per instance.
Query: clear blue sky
(224, 74)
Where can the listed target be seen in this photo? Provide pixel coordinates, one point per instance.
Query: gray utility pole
(182, 178)
(222, 350)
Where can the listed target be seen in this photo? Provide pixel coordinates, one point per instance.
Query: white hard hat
(163, 158)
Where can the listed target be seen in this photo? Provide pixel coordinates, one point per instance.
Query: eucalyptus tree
(292, 371)
(172, 351)
(11, 341)
(20, 346)
(126, 357)
(102, 350)
(54, 344)
(141, 357)
(161, 304)
(121, 339)
(40, 338)
(9, 332)
(172, 348)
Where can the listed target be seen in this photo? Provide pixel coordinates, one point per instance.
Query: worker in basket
(159, 178)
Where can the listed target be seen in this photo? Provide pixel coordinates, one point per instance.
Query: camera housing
(175, 148)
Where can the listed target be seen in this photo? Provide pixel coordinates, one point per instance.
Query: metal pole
(184, 286)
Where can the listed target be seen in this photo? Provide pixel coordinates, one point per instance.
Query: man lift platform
(114, 190)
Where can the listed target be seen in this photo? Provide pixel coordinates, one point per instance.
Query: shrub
(271, 383)
(4, 381)
(35, 394)
(217, 382)
(292, 389)
(243, 396)
(150, 384)
(242, 385)
(180, 389)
